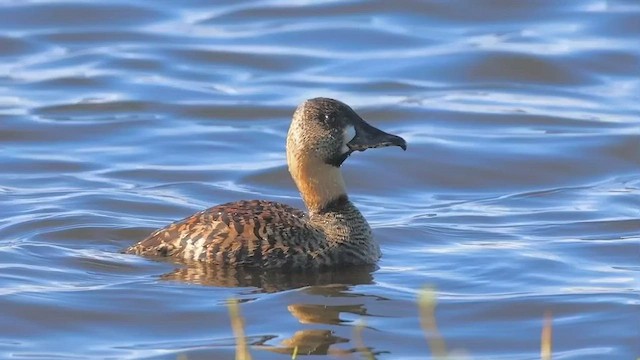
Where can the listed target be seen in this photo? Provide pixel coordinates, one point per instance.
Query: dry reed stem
(545, 338)
(359, 342)
(426, 307)
(237, 324)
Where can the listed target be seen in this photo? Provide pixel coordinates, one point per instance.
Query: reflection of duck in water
(308, 342)
(323, 314)
(265, 234)
(322, 341)
(268, 281)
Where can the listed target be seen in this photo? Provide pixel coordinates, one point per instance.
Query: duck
(267, 235)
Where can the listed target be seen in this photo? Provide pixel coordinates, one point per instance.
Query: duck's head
(323, 133)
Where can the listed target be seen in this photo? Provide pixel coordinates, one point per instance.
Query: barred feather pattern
(267, 235)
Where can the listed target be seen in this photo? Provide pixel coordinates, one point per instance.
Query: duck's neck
(319, 184)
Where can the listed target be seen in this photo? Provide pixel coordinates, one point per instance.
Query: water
(518, 195)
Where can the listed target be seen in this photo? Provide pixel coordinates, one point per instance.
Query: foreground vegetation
(426, 306)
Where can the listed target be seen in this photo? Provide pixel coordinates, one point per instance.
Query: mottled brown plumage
(265, 234)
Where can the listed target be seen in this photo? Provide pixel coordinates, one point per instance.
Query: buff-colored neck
(319, 183)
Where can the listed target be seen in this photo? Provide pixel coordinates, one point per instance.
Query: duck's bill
(368, 137)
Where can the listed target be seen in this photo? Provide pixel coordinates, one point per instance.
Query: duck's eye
(348, 134)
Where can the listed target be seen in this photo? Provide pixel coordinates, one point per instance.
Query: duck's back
(251, 233)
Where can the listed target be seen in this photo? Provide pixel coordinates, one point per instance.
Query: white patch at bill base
(347, 135)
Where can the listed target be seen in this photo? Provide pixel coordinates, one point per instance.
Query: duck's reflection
(337, 283)
(306, 342)
(323, 314)
(267, 281)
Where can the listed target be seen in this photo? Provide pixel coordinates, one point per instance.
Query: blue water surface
(518, 195)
